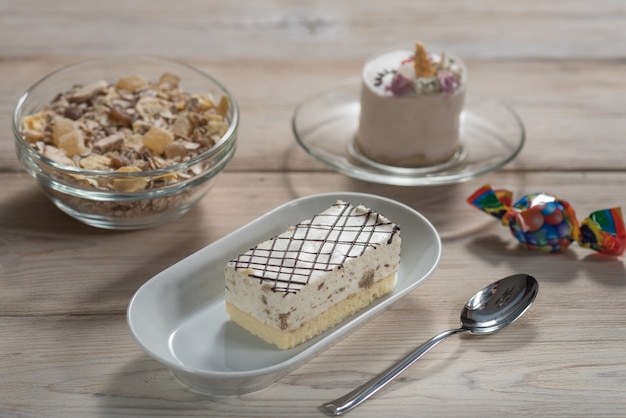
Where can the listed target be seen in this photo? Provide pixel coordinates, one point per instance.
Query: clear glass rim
(50, 181)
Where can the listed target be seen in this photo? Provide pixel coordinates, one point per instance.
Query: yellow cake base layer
(332, 316)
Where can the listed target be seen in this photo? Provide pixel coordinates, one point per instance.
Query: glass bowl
(125, 199)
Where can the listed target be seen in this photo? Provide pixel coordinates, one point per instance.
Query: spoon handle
(354, 398)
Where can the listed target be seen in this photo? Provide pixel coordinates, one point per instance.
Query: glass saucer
(492, 134)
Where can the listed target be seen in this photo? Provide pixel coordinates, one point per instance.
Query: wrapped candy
(545, 222)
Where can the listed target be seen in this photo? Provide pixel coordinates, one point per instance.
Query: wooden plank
(283, 29)
(564, 113)
(65, 349)
(57, 317)
(52, 264)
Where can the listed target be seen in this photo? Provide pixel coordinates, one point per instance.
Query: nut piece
(182, 126)
(110, 143)
(57, 155)
(121, 116)
(169, 81)
(87, 92)
(175, 151)
(32, 136)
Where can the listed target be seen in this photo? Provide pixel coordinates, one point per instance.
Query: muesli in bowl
(126, 142)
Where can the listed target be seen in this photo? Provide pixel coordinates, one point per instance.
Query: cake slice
(294, 286)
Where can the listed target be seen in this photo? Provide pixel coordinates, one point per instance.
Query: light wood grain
(65, 348)
(562, 111)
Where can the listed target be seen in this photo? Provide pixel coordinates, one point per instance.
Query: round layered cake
(411, 103)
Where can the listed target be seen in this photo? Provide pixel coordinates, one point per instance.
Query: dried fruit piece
(217, 125)
(223, 106)
(131, 83)
(67, 136)
(95, 162)
(36, 122)
(149, 106)
(72, 143)
(156, 139)
(205, 102)
(422, 65)
(62, 126)
(129, 184)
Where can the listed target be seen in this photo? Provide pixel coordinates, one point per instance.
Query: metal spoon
(489, 310)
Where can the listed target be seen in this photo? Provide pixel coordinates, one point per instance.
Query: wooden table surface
(65, 348)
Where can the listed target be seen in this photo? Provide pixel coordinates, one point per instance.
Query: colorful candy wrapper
(545, 222)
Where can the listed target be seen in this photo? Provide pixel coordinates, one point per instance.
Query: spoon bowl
(491, 309)
(499, 304)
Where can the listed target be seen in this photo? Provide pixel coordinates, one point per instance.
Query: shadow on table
(36, 233)
(444, 206)
(562, 268)
(145, 385)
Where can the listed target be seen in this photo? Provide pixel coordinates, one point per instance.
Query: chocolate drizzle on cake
(323, 243)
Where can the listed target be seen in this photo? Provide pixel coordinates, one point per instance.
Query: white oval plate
(179, 319)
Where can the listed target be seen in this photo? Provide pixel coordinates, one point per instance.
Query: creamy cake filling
(296, 276)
